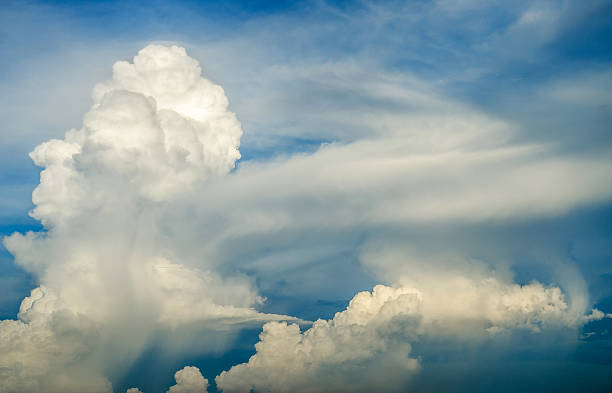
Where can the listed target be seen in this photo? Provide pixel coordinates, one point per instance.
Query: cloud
(156, 126)
(596, 315)
(388, 186)
(107, 280)
(189, 380)
(367, 347)
(46, 349)
(358, 350)
(151, 234)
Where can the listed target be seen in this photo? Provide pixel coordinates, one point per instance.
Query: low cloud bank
(367, 347)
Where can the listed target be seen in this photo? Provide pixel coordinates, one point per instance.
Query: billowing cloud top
(157, 127)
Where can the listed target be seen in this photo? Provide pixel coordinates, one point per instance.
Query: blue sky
(500, 110)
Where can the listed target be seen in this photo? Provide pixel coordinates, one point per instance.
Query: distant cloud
(189, 380)
(367, 347)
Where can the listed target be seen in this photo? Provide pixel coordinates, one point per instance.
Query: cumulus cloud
(596, 315)
(156, 128)
(360, 349)
(108, 275)
(367, 347)
(45, 350)
(189, 380)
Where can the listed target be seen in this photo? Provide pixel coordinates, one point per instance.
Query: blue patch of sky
(587, 38)
(153, 371)
(282, 146)
(15, 283)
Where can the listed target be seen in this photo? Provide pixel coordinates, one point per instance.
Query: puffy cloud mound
(367, 347)
(357, 350)
(189, 380)
(157, 127)
(475, 305)
(49, 349)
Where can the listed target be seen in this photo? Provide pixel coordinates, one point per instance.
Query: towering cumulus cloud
(154, 130)
(108, 274)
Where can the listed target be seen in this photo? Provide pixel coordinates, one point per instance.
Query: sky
(309, 196)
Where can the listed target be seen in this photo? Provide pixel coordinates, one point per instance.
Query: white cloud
(596, 315)
(189, 380)
(402, 181)
(107, 271)
(586, 89)
(367, 347)
(156, 128)
(361, 349)
(49, 349)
